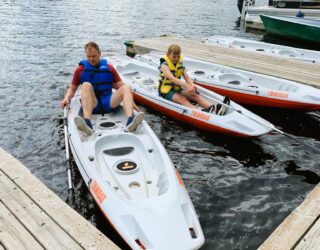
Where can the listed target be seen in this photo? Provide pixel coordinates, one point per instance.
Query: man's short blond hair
(175, 49)
(90, 45)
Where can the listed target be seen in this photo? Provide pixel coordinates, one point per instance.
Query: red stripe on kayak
(261, 100)
(97, 191)
(181, 117)
(179, 177)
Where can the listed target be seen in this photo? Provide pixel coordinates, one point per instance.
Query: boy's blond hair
(175, 49)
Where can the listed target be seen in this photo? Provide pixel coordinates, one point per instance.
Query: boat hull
(258, 100)
(293, 28)
(134, 183)
(204, 126)
(248, 87)
(235, 120)
(265, 48)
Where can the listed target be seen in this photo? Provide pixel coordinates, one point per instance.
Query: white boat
(143, 77)
(295, 3)
(134, 183)
(248, 87)
(265, 48)
(270, 10)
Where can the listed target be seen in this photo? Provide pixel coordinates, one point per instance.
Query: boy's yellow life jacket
(165, 85)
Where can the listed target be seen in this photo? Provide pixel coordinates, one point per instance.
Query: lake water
(241, 189)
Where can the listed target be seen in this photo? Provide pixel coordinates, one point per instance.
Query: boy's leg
(196, 98)
(179, 98)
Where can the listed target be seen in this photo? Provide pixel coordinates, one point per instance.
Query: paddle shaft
(65, 124)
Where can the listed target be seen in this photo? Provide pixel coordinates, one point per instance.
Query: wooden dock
(301, 229)
(33, 217)
(304, 72)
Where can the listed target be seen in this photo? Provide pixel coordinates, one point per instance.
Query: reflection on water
(241, 189)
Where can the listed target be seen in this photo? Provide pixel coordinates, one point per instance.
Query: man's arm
(117, 81)
(70, 93)
(73, 87)
(118, 84)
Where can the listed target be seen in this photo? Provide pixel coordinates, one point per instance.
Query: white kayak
(266, 48)
(248, 87)
(236, 120)
(134, 183)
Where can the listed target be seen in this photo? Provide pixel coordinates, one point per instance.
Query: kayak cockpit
(130, 166)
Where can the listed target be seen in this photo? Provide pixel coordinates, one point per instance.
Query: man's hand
(64, 102)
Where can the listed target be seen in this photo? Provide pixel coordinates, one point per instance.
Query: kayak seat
(233, 78)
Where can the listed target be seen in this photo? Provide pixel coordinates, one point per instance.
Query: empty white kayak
(266, 48)
(248, 87)
(143, 77)
(134, 183)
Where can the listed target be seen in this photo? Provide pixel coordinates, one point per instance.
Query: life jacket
(99, 76)
(165, 85)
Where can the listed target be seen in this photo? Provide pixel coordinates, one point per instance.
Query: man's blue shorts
(103, 101)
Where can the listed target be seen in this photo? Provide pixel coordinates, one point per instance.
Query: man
(97, 78)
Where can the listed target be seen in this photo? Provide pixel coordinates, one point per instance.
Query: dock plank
(304, 72)
(312, 239)
(12, 234)
(301, 224)
(72, 223)
(38, 223)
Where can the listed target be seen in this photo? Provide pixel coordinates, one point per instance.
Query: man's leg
(123, 94)
(88, 100)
